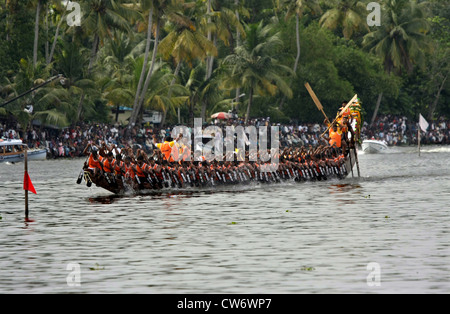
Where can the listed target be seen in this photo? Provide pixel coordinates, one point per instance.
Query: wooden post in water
(27, 185)
(357, 161)
(26, 191)
(418, 138)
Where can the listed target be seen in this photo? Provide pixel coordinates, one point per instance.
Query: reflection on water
(343, 188)
(350, 193)
(313, 237)
(175, 192)
(109, 199)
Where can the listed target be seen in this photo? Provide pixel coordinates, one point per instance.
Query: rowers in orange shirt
(335, 137)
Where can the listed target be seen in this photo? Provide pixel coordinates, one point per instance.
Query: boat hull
(374, 147)
(40, 154)
(117, 186)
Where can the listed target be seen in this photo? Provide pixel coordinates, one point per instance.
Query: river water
(386, 232)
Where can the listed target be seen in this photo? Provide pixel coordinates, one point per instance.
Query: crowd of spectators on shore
(400, 131)
(70, 142)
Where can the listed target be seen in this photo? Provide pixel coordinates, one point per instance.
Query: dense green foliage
(191, 58)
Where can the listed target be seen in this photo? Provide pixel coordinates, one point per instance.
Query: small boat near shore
(374, 146)
(14, 151)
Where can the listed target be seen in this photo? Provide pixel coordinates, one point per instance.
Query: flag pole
(423, 126)
(418, 138)
(27, 184)
(26, 191)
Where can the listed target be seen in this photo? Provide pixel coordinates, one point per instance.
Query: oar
(88, 179)
(316, 100)
(80, 176)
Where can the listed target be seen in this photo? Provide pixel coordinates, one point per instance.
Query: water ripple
(290, 238)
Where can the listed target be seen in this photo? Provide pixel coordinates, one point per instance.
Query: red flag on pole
(27, 184)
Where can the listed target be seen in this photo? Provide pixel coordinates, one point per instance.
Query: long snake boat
(196, 175)
(167, 171)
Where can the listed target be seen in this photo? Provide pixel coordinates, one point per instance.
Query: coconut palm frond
(52, 117)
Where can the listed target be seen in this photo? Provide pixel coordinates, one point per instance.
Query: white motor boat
(14, 151)
(374, 146)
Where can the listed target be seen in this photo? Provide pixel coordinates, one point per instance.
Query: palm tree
(238, 7)
(53, 107)
(59, 11)
(349, 15)
(163, 94)
(439, 62)
(43, 5)
(102, 18)
(116, 77)
(401, 39)
(253, 68)
(185, 44)
(298, 8)
(147, 7)
(71, 62)
(39, 4)
(219, 22)
(201, 90)
(171, 10)
(50, 104)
